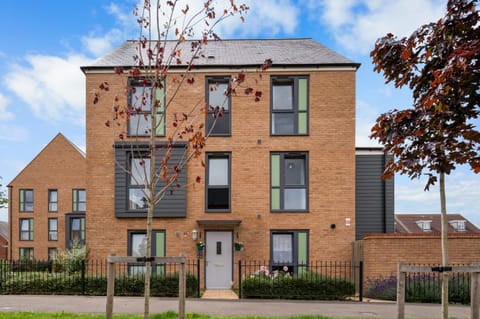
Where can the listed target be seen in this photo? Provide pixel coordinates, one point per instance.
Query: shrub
(283, 285)
(421, 288)
(71, 260)
(382, 288)
(71, 284)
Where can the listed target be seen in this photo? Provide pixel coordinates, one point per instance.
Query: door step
(219, 294)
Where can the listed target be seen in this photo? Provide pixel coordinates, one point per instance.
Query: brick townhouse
(279, 175)
(47, 202)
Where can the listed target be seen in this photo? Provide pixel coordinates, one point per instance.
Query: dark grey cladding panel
(174, 202)
(374, 196)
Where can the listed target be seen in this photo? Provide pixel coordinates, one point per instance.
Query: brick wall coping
(416, 236)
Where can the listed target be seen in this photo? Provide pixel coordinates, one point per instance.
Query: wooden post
(181, 291)
(475, 295)
(400, 292)
(110, 287)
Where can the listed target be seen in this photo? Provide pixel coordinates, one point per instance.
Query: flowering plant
(263, 272)
(200, 245)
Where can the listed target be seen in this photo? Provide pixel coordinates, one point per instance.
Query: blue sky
(42, 89)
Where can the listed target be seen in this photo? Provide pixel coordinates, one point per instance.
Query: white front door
(218, 260)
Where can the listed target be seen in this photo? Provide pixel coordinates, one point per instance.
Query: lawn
(165, 315)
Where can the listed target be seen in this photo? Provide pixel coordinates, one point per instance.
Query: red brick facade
(59, 166)
(382, 252)
(331, 160)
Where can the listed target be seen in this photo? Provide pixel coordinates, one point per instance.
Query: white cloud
(266, 17)
(5, 115)
(100, 45)
(13, 133)
(357, 24)
(52, 86)
(365, 119)
(462, 194)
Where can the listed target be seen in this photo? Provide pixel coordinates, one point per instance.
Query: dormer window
(458, 225)
(425, 225)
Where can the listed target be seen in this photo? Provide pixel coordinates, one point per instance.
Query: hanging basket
(238, 246)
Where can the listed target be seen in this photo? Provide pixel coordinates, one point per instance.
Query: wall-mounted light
(194, 234)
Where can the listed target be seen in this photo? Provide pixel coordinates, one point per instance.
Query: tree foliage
(440, 63)
(3, 196)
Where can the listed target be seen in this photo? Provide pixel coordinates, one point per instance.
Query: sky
(44, 43)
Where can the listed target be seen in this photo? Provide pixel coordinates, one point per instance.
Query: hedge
(38, 283)
(306, 287)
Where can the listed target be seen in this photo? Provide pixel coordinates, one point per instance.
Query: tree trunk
(151, 207)
(445, 275)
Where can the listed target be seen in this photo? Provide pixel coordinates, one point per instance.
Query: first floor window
(289, 182)
(137, 245)
(26, 253)
(77, 231)
(52, 229)
(52, 200)
(289, 251)
(52, 253)
(218, 182)
(26, 200)
(138, 181)
(79, 200)
(26, 229)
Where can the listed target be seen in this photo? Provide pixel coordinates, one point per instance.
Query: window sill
(290, 211)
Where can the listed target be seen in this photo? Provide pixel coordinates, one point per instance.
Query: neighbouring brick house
(3, 240)
(279, 175)
(432, 224)
(47, 202)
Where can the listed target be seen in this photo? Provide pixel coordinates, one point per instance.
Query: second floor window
(289, 181)
(138, 180)
(26, 229)
(219, 105)
(52, 229)
(142, 99)
(26, 200)
(52, 200)
(218, 182)
(79, 200)
(289, 105)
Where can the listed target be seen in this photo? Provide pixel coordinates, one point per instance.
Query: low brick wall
(382, 252)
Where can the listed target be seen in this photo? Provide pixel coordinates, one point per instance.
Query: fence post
(400, 292)
(475, 295)
(83, 277)
(110, 287)
(240, 278)
(181, 291)
(360, 281)
(198, 278)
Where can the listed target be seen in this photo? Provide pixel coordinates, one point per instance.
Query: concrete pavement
(125, 305)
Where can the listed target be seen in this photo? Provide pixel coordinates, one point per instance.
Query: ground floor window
(289, 251)
(137, 244)
(26, 253)
(52, 253)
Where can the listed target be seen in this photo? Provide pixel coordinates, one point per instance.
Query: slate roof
(282, 52)
(407, 224)
(4, 230)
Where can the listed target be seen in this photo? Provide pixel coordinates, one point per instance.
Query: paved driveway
(84, 304)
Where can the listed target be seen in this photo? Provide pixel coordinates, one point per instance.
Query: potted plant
(200, 246)
(238, 246)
